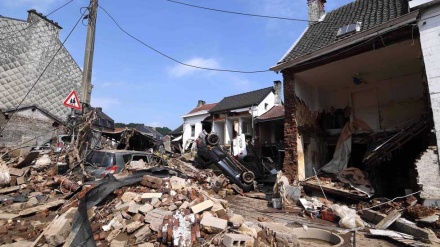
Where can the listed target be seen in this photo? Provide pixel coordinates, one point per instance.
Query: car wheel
(248, 177)
(212, 139)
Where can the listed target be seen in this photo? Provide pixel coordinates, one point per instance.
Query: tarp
(81, 234)
(343, 147)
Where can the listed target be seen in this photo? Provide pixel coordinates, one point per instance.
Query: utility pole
(86, 88)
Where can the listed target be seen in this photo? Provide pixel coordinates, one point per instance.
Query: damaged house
(269, 133)
(360, 90)
(235, 115)
(26, 48)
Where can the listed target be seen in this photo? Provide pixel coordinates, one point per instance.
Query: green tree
(163, 130)
(120, 125)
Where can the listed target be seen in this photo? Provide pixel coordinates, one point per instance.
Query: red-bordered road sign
(72, 101)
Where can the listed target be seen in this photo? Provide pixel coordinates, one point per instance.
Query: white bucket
(276, 203)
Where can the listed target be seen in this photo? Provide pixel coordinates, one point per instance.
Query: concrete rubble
(192, 207)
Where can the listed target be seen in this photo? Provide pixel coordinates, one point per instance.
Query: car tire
(248, 177)
(212, 139)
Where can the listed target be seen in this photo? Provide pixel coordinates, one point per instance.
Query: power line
(175, 60)
(42, 73)
(240, 13)
(17, 31)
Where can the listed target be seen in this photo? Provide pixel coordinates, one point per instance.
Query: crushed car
(209, 152)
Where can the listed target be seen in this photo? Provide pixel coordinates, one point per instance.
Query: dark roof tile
(242, 100)
(370, 12)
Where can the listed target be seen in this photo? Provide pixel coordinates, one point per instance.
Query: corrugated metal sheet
(25, 50)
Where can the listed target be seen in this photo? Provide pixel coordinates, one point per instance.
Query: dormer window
(349, 29)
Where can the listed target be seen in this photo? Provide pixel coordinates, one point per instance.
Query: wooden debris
(36, 209)
(9, 189)
(388, 220)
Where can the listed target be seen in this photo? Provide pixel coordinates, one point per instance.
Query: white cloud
(39, 5)
(182, 70)
(155, 124)
(104, 102)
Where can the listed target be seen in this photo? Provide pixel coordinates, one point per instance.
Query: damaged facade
(360, 83)
(235, 115)
(26, 49)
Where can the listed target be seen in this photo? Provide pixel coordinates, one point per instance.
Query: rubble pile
(164, 200)
(176, 204)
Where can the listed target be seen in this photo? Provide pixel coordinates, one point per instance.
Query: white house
(235, 115)
(193, 121)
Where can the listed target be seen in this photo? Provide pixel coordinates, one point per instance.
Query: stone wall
(28, 124)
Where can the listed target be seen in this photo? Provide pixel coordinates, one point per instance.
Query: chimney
(316, 10)
(277, 88)
(200, 103)
(98, 109)
(34, 16)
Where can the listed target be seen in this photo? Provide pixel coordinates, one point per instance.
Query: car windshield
(101, 159)
(66, 138)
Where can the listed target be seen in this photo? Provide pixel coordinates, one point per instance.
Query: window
(265, 106)
(193, 130)
(350, 28)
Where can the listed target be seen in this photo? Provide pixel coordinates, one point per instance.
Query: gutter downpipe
(292, 63)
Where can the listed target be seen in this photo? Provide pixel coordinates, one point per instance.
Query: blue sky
(135, 84)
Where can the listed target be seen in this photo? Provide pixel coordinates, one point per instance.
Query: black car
(209, 152)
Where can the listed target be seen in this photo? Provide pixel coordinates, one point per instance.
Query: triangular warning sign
(72, 101)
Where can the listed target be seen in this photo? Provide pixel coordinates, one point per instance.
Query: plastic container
(276, 203)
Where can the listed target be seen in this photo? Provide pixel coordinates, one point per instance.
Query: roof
(177, 131)
(101, 114)
(370, 13)
(242, 100)
(275, 112)
(22, 61)
(149, 131)
(205, 107)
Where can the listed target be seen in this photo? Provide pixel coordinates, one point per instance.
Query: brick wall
(290, 164)
(429, 27)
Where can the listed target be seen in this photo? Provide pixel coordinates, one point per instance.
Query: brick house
(373, 62)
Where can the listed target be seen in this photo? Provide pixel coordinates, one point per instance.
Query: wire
(245, 14)
(399, 197)
(175, 60)
(42, 73)
(33, 23)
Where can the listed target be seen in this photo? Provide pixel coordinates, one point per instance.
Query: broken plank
(17, 172)
(388, 220)
(7, 216)
(391, 234)
(9, 189)
(36, 209)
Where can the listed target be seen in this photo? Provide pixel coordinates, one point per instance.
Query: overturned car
(210, 152)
